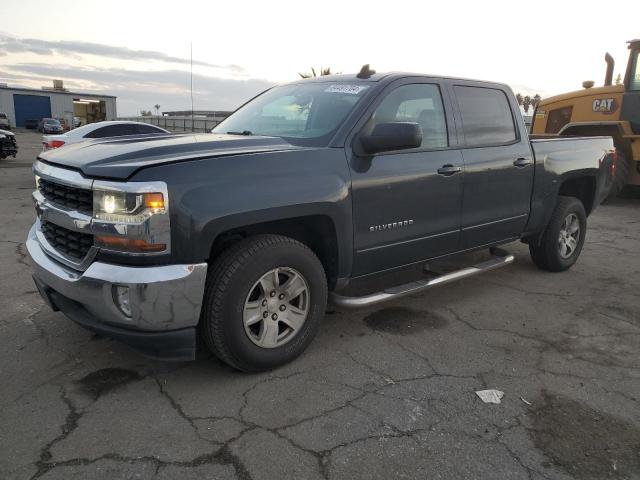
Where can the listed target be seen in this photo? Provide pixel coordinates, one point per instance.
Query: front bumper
(165, 300)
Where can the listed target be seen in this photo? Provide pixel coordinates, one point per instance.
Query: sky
(139, 50)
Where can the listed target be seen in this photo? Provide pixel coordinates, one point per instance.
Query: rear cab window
(486, 116)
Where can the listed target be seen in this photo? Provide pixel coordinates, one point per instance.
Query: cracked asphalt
(381, 393)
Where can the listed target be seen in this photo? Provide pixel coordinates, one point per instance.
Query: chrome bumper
(162, 298)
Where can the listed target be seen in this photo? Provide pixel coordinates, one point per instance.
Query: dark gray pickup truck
(242, 235)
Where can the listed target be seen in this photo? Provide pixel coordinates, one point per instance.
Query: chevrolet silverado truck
(241, 236)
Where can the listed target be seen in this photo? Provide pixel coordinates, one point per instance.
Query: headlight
(131, 217)
(124, 207)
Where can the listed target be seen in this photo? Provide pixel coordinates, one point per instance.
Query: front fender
(211, 196)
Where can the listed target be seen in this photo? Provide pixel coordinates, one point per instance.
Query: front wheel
(562, 240)
(264, 300)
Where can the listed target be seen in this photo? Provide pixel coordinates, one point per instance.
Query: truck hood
(119, 158)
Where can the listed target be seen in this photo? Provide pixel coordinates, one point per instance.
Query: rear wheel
(264, 300)
(562, 240)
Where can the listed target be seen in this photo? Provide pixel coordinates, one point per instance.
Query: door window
(486, 116)
(419, 103)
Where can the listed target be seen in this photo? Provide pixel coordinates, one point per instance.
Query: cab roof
(386, 76)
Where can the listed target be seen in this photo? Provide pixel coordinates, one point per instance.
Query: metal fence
(178, 124)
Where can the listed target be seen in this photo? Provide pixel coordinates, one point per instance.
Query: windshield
(303, 114)
(50, 121)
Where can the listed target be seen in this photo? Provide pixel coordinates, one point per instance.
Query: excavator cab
(631, 99)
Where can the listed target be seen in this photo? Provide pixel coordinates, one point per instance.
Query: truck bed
(560, 158)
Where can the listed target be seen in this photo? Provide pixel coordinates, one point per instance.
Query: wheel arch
(583, 188)
(317, 231)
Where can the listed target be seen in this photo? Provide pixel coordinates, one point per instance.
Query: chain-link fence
(179, 124)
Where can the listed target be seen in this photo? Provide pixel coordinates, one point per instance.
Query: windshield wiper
(243, 132)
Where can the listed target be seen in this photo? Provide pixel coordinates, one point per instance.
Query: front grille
(75, 245)
(8, 144)
(70, 197)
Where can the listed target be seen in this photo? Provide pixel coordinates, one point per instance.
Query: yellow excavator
(611, 110)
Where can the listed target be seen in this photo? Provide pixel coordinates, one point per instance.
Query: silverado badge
(390, 226)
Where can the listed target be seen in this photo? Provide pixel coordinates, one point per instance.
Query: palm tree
(519, 98)
(535, 100)
(323, 72)
(157, 107)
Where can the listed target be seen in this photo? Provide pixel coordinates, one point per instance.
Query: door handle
(522, 162)
(448, 170)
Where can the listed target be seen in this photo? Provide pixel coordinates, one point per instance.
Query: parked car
(5, 124)
(8, 144)
(77, 122)
(49, 125)
(64, 124)
(303, 195)
(31, 124)
(105, 129)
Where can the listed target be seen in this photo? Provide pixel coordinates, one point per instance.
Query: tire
(235, 281)
(548, 253)
(621, 176)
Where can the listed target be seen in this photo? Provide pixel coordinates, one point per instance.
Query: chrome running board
(500, 258)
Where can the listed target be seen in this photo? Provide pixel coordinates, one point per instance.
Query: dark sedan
(50, 125)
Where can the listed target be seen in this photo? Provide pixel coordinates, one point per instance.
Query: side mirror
(386, 137)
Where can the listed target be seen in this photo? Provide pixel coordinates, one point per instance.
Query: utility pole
(192, 126)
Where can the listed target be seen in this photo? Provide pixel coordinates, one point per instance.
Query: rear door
(498, 163)
(404, 210)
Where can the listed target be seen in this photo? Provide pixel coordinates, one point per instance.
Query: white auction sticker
(350, 89)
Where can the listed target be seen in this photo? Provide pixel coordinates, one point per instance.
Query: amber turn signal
(128, 244)
(155, 201)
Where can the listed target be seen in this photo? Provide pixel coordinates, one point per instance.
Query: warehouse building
(23, 104)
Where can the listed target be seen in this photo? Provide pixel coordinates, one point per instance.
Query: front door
(407, 204)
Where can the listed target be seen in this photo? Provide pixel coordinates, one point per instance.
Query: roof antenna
(365, 72)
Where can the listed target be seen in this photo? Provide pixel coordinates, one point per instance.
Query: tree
(323, 72)
(535, 100)
(519, 98)
(619, 80)
(527, 102)
(157, 107)
(145, 113)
